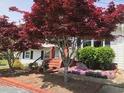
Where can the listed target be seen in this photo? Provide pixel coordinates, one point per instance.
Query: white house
(33, 54)
(117, 45)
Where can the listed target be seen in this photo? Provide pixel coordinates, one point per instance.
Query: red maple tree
(63, 21)
(13, 40)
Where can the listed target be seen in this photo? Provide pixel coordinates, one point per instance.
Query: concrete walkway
(13, 89)
(110, 89)
(116, 85)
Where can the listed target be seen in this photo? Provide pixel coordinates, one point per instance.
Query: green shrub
(96, 58)
(87, 55)
(18, 65)
(104, 56)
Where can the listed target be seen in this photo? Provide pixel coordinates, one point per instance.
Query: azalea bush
(97, 58)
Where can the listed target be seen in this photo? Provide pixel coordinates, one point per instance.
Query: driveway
(111, 89)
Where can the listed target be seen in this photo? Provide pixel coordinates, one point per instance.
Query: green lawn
(3, 64)
(17, 64)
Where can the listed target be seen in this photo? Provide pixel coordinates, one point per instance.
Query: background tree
(13, 40)
(63, 21)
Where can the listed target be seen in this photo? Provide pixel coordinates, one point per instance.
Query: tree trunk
(65, 74)
(10, 60)
(10, 66)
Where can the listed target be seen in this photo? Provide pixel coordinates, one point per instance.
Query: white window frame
(92, 43)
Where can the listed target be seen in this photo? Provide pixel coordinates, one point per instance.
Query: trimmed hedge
(104, 56)
(87, 55)
(96, 58)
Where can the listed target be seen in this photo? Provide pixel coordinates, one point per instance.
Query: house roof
(48, 45)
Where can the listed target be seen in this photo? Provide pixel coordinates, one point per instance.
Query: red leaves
(15, 37)
(8, 34)
(72, 17)
(111, 7)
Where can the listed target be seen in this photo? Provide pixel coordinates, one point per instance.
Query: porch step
(54, 64)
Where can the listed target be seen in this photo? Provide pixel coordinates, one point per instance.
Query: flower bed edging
(23, 85)
(92, 79)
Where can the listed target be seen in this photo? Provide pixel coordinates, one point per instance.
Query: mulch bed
(54, 83)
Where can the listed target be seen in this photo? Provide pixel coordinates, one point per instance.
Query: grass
(3, 64)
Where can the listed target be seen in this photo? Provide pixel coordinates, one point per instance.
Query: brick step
(52, 70)
(54, 63)
(53, 66)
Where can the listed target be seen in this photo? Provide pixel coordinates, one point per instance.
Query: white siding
(118, 46)
(36, 55)
(119, 52)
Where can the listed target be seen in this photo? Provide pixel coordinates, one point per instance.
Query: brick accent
(13, 82)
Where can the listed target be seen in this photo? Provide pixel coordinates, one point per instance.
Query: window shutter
(31, 54)
(78, 42)
(23, 55)
(42, 55)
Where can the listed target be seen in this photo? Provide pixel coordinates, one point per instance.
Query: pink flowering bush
(109, 74)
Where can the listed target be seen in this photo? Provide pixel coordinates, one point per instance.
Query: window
(86, 43)
(27, 54)
(107, 43)
(78, 42)
(98, 43)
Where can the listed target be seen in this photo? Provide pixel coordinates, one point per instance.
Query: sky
(26, 5)
(21, 4)
(104, 3)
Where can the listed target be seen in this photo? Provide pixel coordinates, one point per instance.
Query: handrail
(36, 60)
